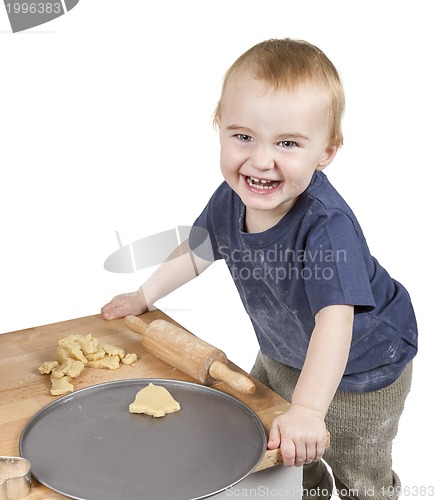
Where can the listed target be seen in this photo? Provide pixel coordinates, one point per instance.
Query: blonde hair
(286, 64)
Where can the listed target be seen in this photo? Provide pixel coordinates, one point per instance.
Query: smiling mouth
(262, 184)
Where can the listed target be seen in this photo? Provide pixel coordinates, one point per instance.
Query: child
(337, 334)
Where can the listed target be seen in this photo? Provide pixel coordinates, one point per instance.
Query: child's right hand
(122, 305)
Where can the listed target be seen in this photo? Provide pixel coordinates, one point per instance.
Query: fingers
(310, 453)
(314, 452)
(296, 452)
(125, 304)
(111, 311)
(287, 447)
(320, 449)
(118, 307)
(121, 310)
(290, 453)
(301, 435)
(274, 437)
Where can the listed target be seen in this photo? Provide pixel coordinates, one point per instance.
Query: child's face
(272, 142)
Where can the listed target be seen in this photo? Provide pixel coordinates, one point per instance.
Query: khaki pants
(362, 428)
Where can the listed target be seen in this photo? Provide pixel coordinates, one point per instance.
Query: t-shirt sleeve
(204, 232)
(334, 264)
(202, 239)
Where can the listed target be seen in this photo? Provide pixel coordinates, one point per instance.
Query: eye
(287, 144)
(244, 137)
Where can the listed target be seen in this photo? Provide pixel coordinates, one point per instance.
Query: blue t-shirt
(314, 257)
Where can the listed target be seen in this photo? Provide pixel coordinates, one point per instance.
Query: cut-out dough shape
(154, 400)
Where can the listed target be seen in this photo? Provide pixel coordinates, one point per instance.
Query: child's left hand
(300, 433)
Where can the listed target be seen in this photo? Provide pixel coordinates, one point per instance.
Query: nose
(262, 158)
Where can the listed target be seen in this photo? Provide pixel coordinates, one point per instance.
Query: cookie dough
(74, 353)
(110, 362)
(129, 359)
(61, 386)
(70, 367)
(154, 400)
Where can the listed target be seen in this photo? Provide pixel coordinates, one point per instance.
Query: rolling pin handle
(135, 324)
(238, 381)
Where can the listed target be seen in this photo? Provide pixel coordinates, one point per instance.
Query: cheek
(299, 175)
(223, 159)
(228, 158)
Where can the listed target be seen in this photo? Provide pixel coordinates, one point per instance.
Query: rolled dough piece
(154, 400)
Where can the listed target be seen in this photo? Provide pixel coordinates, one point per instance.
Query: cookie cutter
(15, 478)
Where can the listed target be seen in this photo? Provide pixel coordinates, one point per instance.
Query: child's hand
(122, 305)
(301, 434)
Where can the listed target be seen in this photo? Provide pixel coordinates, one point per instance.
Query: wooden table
(24, 391)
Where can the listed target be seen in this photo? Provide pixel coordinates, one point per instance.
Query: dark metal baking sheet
(87, 445)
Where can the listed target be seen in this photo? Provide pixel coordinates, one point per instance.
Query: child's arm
(180, 267)
(300, 432)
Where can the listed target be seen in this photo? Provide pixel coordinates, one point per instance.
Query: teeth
(261, 183)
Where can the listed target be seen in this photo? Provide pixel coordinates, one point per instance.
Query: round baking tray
(87, 445)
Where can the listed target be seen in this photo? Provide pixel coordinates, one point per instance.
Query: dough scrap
(62, 370)
(75, 352)
(98, 354)
(113, 351)
(154, 400)
(61, 386)
(48, 367)
(129, 359)
(111, 362)
(88, 344)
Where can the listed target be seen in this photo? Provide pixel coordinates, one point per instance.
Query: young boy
(337, 334)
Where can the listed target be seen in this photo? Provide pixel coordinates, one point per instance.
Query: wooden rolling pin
(188, 353)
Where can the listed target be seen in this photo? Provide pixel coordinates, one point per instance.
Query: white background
(105, 125)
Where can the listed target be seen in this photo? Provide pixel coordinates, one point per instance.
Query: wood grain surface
(24, 391)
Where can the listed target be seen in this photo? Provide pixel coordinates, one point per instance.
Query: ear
(327, 157)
